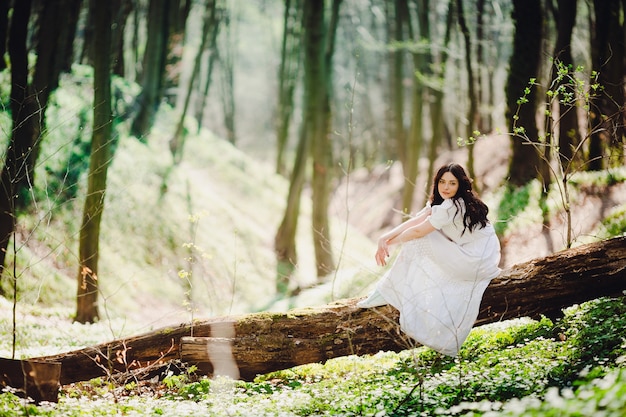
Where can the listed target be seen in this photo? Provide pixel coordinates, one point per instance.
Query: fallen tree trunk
(29, 378)
(247, 345)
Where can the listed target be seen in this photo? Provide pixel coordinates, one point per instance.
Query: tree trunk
(118, 35)
(607, 113)
(284, 242)
(524, 65)
(176, 21)
(263, 342)
(147, 102)
(323, 148)
(421, 66)
(211, 60)
(438, 96)
(87, 292)
(23, 106)
(472, 111)
(227, 60)
(4, 30)
(287, 78)
(569, 136)
(34, 379)
(177, 142)
(285, 239)
(396, 131)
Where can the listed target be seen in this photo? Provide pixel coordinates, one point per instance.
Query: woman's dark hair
(475, 210)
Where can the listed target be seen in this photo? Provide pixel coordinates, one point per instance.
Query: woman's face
(448, 185)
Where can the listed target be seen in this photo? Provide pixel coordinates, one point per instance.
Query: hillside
(196, 240)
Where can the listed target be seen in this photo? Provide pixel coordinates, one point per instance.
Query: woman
(450, 254)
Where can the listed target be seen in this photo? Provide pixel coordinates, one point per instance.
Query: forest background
(228, 157)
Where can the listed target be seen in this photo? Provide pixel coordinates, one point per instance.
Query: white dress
(437, 281)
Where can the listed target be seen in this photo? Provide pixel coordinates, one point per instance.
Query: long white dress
(437, 281)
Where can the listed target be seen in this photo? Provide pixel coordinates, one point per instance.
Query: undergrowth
(572, 366)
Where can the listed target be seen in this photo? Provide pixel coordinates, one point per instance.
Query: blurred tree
(153, 68)
(524, 65)
(212, 57)
(209, 32)
(287, 78)
(606, 146)
(323, 160)
(313, 140)
(437, 91)
(567, 122)
(101, 156)
(472, 117)
(29, 99)
(396, 20)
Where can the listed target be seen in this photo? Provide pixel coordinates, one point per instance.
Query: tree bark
(284, 241)
(263, 342)
(606, 147)
(472, 111)
(177, 142)
(524, 65)
(569, 133)
(23, 106)
(287, 79)
(34, 379)
(421, 69)
(436, 113)
(87, 292)
(147, 102)
(323, 149)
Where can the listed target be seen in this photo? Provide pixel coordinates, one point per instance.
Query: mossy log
(251, 344)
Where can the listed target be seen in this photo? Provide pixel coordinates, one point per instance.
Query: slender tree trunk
(53, 49)
(398, 132)
(87, 292)
(23, 106)
(176, 18)
(421, 67)
(4, 30)
(147, 102)
(606, 146)
(118, 36)
(567, 123)
(285, 239)
(524, 65)
(472, 111)
(438, 95)
(177, 141)
(323, 152)
(287, 78)
(227, 59)
(482, 121)
(212, 59)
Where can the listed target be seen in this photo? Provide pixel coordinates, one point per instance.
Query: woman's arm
(414, 232)
(411, 229)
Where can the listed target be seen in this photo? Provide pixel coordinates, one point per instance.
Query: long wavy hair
(475, 210)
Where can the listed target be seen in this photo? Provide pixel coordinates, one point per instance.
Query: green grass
(573, 366)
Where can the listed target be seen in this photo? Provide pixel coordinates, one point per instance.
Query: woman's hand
(383, 252)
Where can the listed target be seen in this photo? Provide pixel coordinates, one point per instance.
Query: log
(30, 378)
(259, 343)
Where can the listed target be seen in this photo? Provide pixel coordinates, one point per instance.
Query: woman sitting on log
(450, 253)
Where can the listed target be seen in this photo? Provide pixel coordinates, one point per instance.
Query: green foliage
(615, 223)
(515, 368)
(514, 201)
